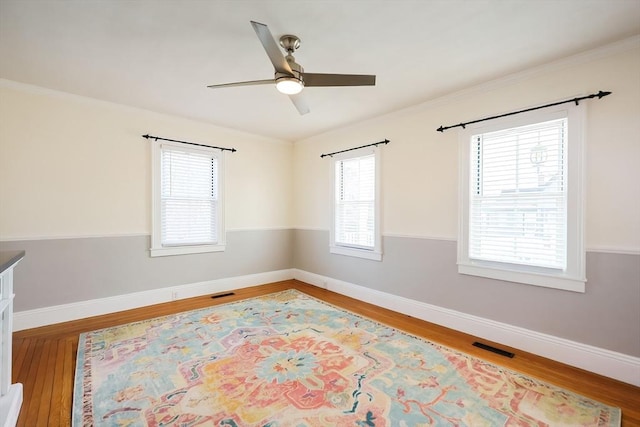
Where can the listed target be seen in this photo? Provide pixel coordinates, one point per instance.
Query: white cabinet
(10, 394)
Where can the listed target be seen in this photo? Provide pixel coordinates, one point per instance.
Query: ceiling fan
(290, 78)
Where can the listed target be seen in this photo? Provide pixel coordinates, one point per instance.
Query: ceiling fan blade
(249, 83)
(318, 79)
(271, 47)
(300, 102)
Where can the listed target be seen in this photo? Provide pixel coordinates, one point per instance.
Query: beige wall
(74, 167)
(71, 166)
(420, 165)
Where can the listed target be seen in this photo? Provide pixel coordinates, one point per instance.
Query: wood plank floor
(44, 358)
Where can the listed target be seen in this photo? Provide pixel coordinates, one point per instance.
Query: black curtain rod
(599, 95)
(233, 150)
(385, 142)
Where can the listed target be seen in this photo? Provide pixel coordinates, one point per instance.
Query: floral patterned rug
(287, 359)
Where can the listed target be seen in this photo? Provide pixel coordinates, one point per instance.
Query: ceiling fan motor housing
(297, 69)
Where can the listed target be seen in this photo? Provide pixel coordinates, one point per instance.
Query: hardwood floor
(44, 358)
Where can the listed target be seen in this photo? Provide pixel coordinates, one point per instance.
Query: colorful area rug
(287, 359)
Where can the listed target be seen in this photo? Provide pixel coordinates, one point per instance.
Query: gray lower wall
(61, 271)
(607, 315)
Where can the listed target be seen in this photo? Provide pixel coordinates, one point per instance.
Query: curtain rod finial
(146, 136)
(601, 94)
(440, 129)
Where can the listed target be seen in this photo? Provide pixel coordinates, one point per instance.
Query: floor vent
(222, 295)
(493, 349)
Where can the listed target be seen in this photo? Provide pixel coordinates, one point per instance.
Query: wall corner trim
(605, 362)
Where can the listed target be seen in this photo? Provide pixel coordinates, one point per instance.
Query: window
(356, 204)
(521, 199)
(187, 200)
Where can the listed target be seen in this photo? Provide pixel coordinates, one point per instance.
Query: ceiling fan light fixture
(289, 85)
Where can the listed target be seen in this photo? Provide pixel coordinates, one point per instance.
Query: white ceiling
(161, 55)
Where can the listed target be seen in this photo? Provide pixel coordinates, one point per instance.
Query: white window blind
(355, 204)
(518, 199)
(188, 197)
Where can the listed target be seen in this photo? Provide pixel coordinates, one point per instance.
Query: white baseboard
(601, 361)
(594, 359)
(95, 307)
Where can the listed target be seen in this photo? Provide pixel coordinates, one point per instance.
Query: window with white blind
(187, 200)
(356, 204)
(521, 213)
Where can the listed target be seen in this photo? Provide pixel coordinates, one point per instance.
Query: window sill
(359, 253)
(537, 279)
(185, 250)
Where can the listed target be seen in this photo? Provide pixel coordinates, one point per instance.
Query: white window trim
(573, 278)
(157, 249)
(334, 248)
